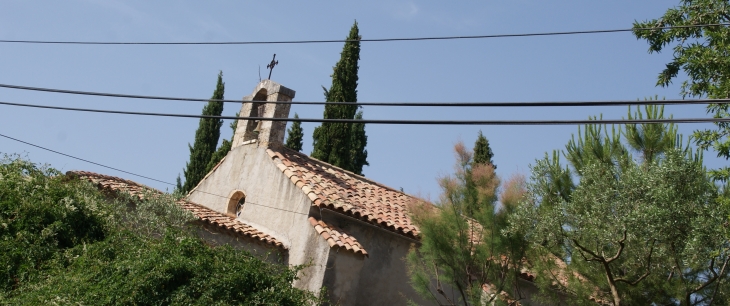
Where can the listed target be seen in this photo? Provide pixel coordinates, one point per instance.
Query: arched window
(235, 203)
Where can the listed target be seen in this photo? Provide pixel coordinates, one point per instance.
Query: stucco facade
(366, 266)
(276, 206)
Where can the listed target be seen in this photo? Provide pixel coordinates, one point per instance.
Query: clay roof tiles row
(114, 184)
(331, 187)
(336, 237)
(223, 222)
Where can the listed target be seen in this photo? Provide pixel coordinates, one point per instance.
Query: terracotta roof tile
(337, 237)
(115, 184)
(331, 187)
(228, 223)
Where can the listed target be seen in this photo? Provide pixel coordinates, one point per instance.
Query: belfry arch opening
(257, 110)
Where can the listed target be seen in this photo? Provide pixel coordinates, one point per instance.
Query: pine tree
(295, 135)
(333, 142)
(482, 152)
(699, 59)
(206, 139)
(639, 231)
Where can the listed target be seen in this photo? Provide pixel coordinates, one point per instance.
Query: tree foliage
(703, 54)
(223, 149)
(295, 135)
(40, 217)
(64, 242)
(206, 139)
(640, 230)
(343, 144)
(482, 152)
(462, 248)
(358, 142)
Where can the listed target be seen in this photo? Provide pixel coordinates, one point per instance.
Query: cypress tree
(178, 184)
(295, 135)
(358, 142)
(333, 142)
(482, 152)
(223, 149)
(206, 139)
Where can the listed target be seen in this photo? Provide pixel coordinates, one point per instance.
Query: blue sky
(552, 68)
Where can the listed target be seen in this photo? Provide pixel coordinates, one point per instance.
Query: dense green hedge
(63, 242)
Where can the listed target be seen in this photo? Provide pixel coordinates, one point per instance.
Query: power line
(400, 104)
(361, 40)
(84, 160)
(395, 121)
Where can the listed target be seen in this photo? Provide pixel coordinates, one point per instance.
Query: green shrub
(40, 216)
(63, 242)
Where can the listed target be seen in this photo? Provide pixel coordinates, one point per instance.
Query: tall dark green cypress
(482, 152)
(295, 135)
(333, 142)
(224, 148)
(358, 141)
(206, 139)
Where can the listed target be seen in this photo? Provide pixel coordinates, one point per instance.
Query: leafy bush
(64, 242)
(128, 269)
(40, 216)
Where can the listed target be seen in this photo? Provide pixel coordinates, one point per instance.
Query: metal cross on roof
(271, 65)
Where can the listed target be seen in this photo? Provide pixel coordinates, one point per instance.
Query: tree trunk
(612, 284)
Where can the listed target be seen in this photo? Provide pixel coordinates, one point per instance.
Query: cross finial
(271, 65)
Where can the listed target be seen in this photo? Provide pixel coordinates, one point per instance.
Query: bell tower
(265, 133)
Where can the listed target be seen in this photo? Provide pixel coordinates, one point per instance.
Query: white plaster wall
(274, 205)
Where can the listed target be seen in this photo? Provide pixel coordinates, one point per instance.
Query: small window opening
(236, 203)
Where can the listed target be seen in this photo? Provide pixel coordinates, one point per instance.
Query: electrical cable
(394, 121)
(361, 40)
(84, 160)
(272, 207)
(401, 104)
